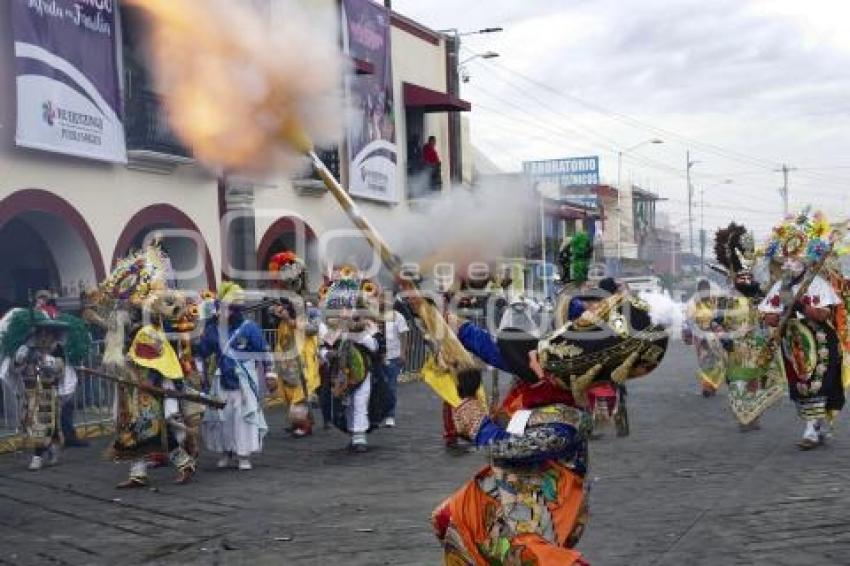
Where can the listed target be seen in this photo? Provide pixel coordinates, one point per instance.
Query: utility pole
(702, 235)
(785, 170)
(452, 39)
(453, 88)
(689, 165)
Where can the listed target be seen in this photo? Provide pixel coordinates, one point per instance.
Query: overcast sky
(744, 84)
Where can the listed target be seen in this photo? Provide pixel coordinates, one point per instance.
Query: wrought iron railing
(147, 127)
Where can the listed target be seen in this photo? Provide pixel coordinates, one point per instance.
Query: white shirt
(819, 294)
(394, 329)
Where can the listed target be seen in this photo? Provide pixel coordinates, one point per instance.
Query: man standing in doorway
(395, 332)
(429, 153)
(431, 160)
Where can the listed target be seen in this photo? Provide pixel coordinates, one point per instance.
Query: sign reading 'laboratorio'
(69, 98)
(570, 172)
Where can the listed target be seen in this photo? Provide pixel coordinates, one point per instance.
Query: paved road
(685, 488)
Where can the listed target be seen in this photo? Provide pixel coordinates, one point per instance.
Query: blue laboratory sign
(570, 172)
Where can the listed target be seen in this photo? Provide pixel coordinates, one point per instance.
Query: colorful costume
(530, 506)
(296, 344)
(38, 354)
(811, 349)
(704, 321)
(239, 349)
(752, 390)
(147, 425)
(349, 355)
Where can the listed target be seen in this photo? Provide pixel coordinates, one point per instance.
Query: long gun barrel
(156, 391)
(451, 350)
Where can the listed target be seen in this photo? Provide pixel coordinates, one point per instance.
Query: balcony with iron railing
(149, 136)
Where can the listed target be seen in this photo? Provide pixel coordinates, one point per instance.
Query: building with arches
(64, 220)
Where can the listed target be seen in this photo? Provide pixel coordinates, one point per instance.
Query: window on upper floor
(145, 122)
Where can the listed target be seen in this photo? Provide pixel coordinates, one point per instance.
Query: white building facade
(64, 220)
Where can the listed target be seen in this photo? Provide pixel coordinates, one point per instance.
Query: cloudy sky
(745, 85)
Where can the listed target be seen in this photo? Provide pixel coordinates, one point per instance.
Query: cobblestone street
(685, 488)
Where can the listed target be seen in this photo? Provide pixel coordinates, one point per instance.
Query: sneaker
(389, 422)
(810, 439)
(52, 456)
(36, 463)
(361, 448)
(301, 432)
(223, 462)
(245, 464)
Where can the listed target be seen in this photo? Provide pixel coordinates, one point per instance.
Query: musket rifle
(790, 310)
(156, 391)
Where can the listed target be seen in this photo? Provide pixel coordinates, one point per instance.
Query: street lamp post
(464, 72)
(485, 55)
(620, 155)
(452, 40)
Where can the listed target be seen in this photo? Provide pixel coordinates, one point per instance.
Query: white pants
(230, 430)
(358, 410)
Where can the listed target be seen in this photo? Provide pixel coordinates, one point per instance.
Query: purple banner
(66, 63)
(372, 151)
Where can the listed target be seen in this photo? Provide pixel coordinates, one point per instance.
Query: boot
(358, 442)
(184, 474)
(138, 476)
(810, 439)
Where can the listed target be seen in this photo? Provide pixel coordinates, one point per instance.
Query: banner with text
(69, 97)
(372, 150)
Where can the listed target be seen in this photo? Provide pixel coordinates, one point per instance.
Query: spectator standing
(395, 333)
(432, 163)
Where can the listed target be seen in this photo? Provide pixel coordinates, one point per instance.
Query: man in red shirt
(429, 152)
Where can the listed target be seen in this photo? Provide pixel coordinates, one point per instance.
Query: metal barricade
(93, 405)
(270, 336)
(94, 400)
(417, 351)
(9, 420)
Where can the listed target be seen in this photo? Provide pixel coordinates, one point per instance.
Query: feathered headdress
(349, 290)
(19, 324)
(734, 248)
(806, 237)
(289, 270)
(137, 275)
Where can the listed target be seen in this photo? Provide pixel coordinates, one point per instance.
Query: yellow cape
(444, 383)
(151, 349)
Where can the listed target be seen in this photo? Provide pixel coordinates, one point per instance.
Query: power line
(711, 148)
(633, 122)
(535, 125)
